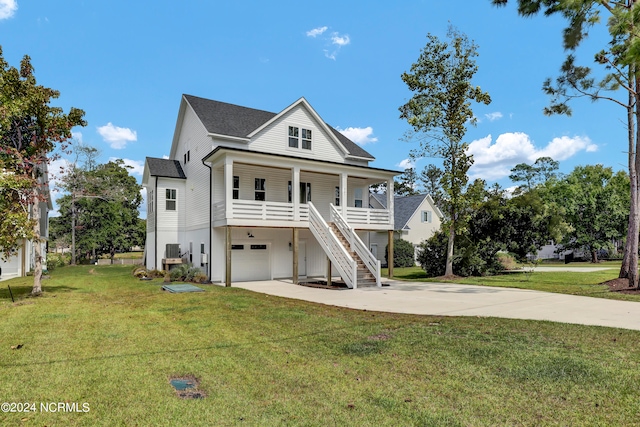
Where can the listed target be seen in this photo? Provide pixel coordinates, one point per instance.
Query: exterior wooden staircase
(350, 256)
(365, 278)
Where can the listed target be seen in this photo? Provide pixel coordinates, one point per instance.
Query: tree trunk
(73, 228)
(594, 256)
(37, 246)
(629, 268)
(452, 234)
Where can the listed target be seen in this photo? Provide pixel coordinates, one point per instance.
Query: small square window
(426, 216)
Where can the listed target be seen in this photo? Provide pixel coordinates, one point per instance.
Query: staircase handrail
(340, 257)
(357, 245)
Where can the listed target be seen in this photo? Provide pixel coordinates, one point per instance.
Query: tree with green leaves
(619, 60)
(102, 214)
(406, 184)
(544, 169)
(439, 112)
(595, 203)
(430, 177)
(30, 131)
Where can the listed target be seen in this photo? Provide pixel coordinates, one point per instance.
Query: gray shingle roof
(234, 120)
(403, 207)
(165, 168)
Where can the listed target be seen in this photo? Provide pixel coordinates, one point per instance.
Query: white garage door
(250, 262)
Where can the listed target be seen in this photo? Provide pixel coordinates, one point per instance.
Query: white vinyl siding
(194, 142)
(274, 138)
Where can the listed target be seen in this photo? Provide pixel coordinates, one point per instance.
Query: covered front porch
(257, 189)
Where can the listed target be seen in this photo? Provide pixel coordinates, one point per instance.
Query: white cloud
(316, 31)
(360, 136)
(117, 137)
(493, 116)
(164, 156)
(8, 8)
(339, 40)
(495, 160)
(77, 136)
(137, 166)
(333, 42)
(406, 164)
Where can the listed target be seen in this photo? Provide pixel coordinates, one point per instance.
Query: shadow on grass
(179, 350)
(23, 291)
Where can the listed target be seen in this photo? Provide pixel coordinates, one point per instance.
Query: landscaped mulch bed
(621, 285)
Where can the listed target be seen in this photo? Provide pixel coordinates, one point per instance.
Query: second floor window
(337, 196)
(306, 139)
(426, 216)
(295, 135)
(260, 189)
(358, 197)
(171, 199)
(236, 187)
(305, 192)
(150, 200)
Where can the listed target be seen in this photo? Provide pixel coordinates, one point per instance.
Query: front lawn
(98, 336)
(563, 282)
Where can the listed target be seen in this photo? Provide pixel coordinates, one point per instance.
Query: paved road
(445, 299)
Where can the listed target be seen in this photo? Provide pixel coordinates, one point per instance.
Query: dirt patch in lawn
(622, 286)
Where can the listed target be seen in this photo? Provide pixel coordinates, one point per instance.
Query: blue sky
(127, 63)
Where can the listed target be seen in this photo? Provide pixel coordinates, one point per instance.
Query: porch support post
(227, 280)
(228, 187)
(343, 194)
(390, 201)
(294, 243)
(390, 255)
(295, 192)
(328, 271)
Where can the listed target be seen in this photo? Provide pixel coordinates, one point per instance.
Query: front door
(302, 258)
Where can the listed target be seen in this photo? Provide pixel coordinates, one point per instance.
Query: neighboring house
(23, 261)
(253, 195)
(416, 218)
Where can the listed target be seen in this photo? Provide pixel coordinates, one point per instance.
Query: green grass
(99, 336)
(563, 282)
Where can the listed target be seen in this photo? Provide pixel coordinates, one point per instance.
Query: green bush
(507, 261)
(403, 254)
(55, 260)
(469, 259)
(185, 272)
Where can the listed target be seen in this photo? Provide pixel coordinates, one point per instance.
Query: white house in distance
(253, 195)
(23, 261)
(416, 218)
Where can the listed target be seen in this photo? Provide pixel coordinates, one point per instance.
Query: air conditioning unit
(173, 250)
(204, 259)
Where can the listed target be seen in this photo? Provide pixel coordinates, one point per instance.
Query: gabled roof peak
(236, 121)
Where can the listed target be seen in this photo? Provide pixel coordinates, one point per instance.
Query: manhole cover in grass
(187, 387)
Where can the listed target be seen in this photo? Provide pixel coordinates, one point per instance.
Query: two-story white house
(252, 195)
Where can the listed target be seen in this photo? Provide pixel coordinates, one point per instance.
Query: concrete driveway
(446, 299)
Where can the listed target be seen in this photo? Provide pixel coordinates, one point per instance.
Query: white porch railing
(279, 211)
(346, 265)
(357, 245)
(368, 216)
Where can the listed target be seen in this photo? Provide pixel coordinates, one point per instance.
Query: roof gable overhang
(305, 104)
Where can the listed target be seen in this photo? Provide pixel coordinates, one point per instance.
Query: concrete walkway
(445, 299)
